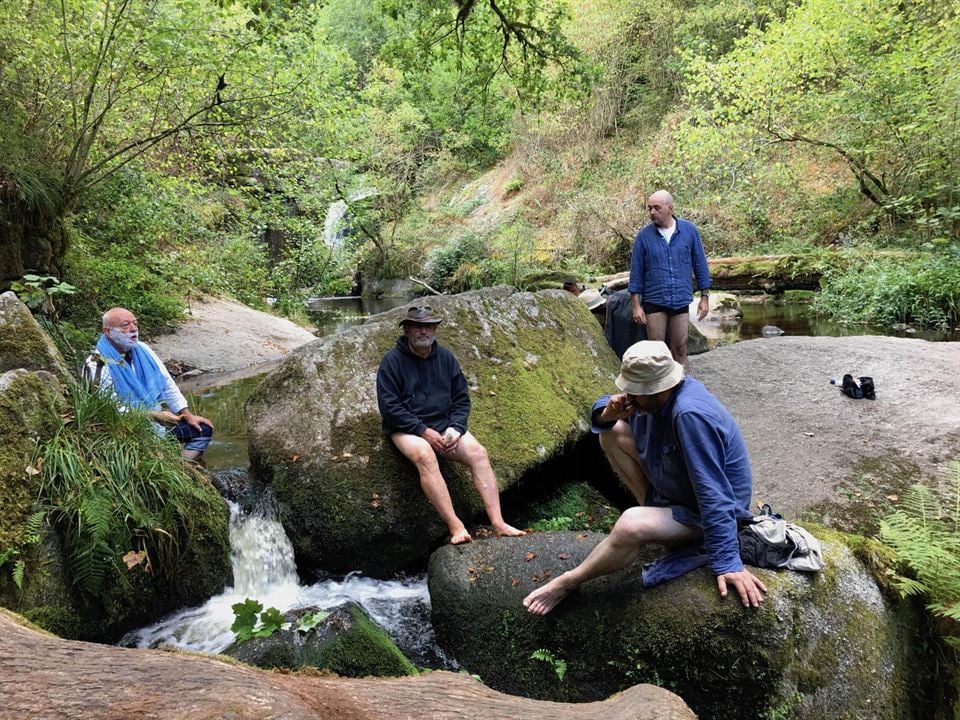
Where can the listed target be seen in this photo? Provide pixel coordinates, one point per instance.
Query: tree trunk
(42, 676)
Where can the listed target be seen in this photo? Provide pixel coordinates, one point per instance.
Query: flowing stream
(264, 569)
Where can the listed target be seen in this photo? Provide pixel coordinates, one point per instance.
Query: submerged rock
(535, 363)
(826, 645)
(348, 642)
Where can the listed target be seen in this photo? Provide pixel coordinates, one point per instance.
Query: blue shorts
(191, 438)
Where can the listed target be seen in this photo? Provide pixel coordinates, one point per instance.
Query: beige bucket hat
(648, 368)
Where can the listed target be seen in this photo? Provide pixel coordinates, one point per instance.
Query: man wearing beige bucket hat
(424, 404)
(681, 454)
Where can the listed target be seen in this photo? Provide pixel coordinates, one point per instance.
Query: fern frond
(19, 568)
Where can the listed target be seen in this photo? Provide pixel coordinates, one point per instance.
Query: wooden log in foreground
(42, 676)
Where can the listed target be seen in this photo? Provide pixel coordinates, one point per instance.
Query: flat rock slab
(810, 444)
(225, 336)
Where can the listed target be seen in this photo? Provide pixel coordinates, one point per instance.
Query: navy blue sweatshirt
(415, 393)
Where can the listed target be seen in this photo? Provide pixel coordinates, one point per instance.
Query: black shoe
(851, 388)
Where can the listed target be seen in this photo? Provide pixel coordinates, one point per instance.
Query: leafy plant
(559, 666)
(251, 620)
(925, 535)
(309, 621)
(38, 291)
(112, 484)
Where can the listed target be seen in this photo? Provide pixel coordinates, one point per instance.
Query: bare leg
(677, 332)
(621, 451)
(418, 451)
(474, 455)
(657, 326)
(636, 526)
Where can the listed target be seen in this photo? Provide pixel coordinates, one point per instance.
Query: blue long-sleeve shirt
(696, 461)
(661, 272)
(415, 393)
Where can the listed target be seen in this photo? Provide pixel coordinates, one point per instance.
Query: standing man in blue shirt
(423, 401)
(681, 454)
(666, 254)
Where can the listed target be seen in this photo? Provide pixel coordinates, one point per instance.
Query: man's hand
(194, 421)
(451, 438)
(436, 440)
(749, 588)
(619, 407)
(703, 308)
(639, 316)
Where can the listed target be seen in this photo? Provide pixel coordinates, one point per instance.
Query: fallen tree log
(42, 676)
(754, 273)
(764, 273)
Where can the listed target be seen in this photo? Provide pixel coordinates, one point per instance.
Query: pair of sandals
(858, 388)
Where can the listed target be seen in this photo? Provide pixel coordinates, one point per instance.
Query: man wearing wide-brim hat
(424, 403)
(681, 454)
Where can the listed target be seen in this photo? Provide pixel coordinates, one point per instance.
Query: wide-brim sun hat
(592, 298)
(421, 315)
(648, 368)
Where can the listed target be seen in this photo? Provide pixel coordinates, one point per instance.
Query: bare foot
(505, 530)
(544, 599)
(460, 537)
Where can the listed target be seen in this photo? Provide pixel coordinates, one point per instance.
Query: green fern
(19, 568)
(112, 485)
(559, 666)
(924, 537)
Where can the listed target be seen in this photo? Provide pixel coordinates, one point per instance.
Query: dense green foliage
(196, 147)
(115, 488)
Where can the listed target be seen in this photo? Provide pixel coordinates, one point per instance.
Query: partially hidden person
(667, 254)
(131, 372)
(682, 456)
(424, 404)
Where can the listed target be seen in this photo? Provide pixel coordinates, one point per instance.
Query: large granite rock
(827, 645)
(535, 362)
(23, 343)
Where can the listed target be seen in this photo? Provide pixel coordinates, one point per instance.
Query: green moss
(29, 412)
(361, 650)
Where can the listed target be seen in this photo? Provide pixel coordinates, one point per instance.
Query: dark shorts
(191, 438)
(652, 308)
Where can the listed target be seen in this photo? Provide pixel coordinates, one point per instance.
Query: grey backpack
(769, 541)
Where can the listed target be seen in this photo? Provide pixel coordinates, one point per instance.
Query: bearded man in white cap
(681, 454)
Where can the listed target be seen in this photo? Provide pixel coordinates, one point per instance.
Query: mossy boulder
(23, 343)
(348, 642)
(30, 404)
(535, 362)
(821, 645)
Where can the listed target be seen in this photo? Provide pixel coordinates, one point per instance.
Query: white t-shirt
(667, 233)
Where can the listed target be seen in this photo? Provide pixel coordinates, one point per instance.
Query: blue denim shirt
(660, 272)
(696, 461)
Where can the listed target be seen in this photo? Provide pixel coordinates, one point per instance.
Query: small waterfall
(261, 554)
(334, 225)
(264, 569)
